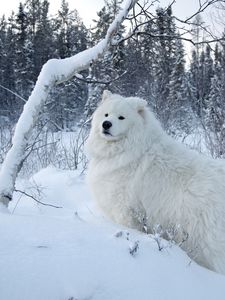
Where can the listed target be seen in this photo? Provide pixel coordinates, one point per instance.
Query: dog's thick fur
(138, 172)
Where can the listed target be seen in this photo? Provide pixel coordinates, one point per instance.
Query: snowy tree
(8, 71)
(133, 63)
(200, 74)
(208, 71)
(3, 60)
(69, 98)
(42, 38)
(107, 68)
(33, 8)
(53, 72)
(24, 54)
(176, 103)
(148, 48)
(165, 53)
(193, 82)
(215, 112)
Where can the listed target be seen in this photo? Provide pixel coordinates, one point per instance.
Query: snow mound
(75, 253)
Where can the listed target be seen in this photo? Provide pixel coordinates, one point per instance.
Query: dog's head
(116, 116)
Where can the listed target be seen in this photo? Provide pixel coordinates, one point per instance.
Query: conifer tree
(109, 66)
(69, 98)
(24, 55)
(176, 104)
(164, 61)
(215, 112)
(13, 103)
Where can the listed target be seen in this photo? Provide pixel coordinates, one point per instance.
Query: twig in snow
(38, 201)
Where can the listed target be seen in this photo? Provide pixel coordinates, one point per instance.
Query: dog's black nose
(106, 125)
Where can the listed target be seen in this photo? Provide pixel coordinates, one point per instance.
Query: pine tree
(208, 71)
(3, 60)
(215, 113)
(43, 43)
(24, 52)
(33, 8)
(13, 104)
(200, 75)
(69, 98)
(176, 104)
(165, 50)
(110, 66)
(193, 76)
(137, 64)
(148, 49)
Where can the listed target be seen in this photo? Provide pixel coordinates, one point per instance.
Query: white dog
(137, 172)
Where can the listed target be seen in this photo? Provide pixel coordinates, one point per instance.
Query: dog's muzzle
(106, 125)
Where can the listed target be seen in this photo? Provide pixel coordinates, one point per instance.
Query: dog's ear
(106, 95)
(139, 104)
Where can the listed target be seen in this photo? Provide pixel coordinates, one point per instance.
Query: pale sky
(87, 8)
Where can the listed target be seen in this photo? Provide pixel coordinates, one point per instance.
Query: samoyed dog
(140, 177)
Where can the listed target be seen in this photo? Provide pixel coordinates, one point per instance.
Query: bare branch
(89, 81)
(202, 7)
(137, 26)
(179, 37)
(38, 201)
(14, 93)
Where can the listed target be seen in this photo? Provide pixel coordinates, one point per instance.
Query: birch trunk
(53, 72)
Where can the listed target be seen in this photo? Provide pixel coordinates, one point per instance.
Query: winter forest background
(185, 94)
(51, 232)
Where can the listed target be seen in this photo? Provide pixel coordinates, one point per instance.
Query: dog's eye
(106, 115)
(121, 118)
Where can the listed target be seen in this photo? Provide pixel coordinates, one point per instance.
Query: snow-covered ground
(74, 252)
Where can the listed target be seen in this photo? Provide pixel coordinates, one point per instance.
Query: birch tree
(55, 71)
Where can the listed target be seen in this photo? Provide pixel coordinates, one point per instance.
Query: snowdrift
(75, 253)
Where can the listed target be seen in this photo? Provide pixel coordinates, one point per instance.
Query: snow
(74, 252)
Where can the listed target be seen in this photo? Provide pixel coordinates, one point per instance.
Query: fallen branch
(38, 201)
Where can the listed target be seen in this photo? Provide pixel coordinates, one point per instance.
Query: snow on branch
(53, 72)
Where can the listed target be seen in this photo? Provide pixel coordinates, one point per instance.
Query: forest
(184, 93)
